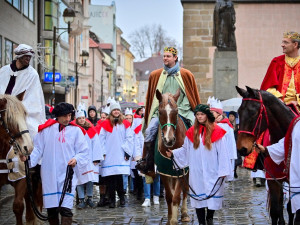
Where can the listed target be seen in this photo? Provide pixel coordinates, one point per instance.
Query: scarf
(172, 70)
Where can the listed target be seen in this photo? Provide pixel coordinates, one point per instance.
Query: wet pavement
(244, 204)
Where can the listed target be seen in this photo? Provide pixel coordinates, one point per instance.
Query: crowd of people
(106, 150)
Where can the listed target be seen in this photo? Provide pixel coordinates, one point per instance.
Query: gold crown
(171, 49)
(291, 35)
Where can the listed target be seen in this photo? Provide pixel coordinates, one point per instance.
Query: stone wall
(197, 45)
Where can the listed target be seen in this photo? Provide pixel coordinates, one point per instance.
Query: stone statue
(224, 20)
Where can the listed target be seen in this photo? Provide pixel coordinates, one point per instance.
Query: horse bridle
(168, 125)
(262, 112)
(13, 138)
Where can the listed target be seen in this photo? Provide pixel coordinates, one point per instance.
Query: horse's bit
(259, 118)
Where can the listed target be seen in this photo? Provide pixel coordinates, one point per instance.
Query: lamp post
(68, 15)
(85, 56)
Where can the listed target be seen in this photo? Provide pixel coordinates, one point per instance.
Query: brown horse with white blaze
(172, 136)
(14, 133)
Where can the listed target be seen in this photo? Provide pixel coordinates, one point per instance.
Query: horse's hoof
(185, 219)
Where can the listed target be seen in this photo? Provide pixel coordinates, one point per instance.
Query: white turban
(22, 50)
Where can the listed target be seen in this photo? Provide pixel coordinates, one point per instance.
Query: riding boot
(66, 220)
(146, 164)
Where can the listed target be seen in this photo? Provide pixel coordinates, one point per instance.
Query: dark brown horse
(171, 135)
(14, 132)
(260, 111)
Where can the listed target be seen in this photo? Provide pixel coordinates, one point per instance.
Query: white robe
(115, 145)
(276, 151)
(231, 148)
(34, 103)
(205, 167)
(91, 171)
(138, 144)
(55, 156)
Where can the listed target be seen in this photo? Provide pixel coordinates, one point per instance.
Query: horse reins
(211, 195)
(66, 188)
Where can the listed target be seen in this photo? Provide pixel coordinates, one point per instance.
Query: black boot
(102, 202)
(122, 200)
(146, 164)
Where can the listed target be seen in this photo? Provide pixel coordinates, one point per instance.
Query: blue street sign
(49, 77)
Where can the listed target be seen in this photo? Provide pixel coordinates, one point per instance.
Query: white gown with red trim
(55, 149)
(231, 148)
(91, 171)
(205, 167)
(138, 141)
(115, 144)
(277, 153)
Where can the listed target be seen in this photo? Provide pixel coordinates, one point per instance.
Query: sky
(133, 14)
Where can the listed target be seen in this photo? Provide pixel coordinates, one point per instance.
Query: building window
(15, 3)
(9, 51)
(28, 9)
(119, 60)
(50, 14)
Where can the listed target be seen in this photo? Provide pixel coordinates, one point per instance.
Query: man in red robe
(283, 75)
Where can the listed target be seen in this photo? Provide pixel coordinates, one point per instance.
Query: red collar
(138, 129)
(217, 133)
(137, 116)
(226, 120)
(51, 122)
(91, 132)
(106, 125)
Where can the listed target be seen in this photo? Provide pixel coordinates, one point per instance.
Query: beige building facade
(259, 28)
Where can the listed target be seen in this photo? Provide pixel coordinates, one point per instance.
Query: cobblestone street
(244, 204)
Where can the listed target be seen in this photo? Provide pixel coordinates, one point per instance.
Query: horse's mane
(14, 110)
(274, 100)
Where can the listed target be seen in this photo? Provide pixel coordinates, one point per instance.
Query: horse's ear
(21, 96)
(252, 92)
(177, 94)
(242, 92)
(158, 95)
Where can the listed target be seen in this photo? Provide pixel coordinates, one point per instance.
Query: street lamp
(85, 56)
(69, 15)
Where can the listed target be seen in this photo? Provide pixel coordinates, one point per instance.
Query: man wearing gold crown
(168, 79)
(283, 75)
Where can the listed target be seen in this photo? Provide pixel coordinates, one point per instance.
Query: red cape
(106, 125)
(226, 120)
(50, 122)
(217, 133)
(275, 74)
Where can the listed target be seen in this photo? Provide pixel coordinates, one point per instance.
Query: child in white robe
(117, 139)
(90, 173)
(217, 110)
(59, 143)
(204, 151)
